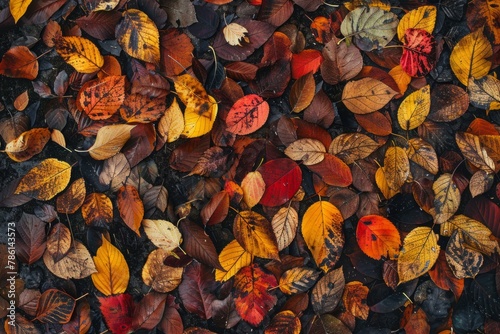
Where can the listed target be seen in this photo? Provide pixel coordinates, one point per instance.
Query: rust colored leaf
(28, 144)
(59, 241)
(277, 47)
(306, 61)
(72, 198)
(247, 115)
(333, 171)
(138, 108)
(19, 62)
(442, 275)
(378, 237)
(101, 98)
(55, 306)
(176, 51)
(284, 322)
(97, 209)
(354, 299)
(302, 92)
(31, 242)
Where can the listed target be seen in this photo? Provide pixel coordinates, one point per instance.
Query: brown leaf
(302, 92)
(72, 198)
(198, 244)
(366, 95)
(341, 62)
(97, 209)
(31, 242)
(58, 241)
(77, 263)
(158, 276)
(55, 306)
(130, 207)
(28, 144)
(19, 62)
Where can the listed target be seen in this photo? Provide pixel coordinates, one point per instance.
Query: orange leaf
(354, 299)
(72, 198)
(112, 273)
(101, 98)
(176, 51)
(247, 115)
(378, 237)
(130, 207)
(19, 62)
(284, 322)
(138, 108)
(307, 61)
(28, 144)
(253, 186)
(255, 234)
(251, 291)
(97, 209)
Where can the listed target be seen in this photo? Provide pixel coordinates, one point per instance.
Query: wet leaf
(44, 181)
(369, 27)
(419, 253)
(80, 53)
(327, 241)
(112, 274)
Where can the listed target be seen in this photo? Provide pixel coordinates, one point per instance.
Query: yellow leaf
(401, 78)
(110, 140)
(470, 57)
(112, 274)
(380, 179)
(310, 151)
(253, 186)
(234, 33)
(285, 223)
(72, 198)
(475, 234)
(423, 154)
(423, 17)
(163, 234)
(106, 5)
(157, 275)
(396, 167)
(255, 234)
(297, 280)
(419, 253)
(351, 5)
(80, 53)
(352, 146)
(45, 180)
(484, 93)
(18, 8)
(232, 258)
(472, 149)
(415, 108)
(446, 198)
(138, 36)
(366, 95)
(28, 144)
(322, 232)
(77, 263)
(171, 124)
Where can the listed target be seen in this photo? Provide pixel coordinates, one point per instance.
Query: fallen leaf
(112, 274)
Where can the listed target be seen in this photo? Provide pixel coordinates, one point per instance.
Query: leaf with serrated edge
(419, 253)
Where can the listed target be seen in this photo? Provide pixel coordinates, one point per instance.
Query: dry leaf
(234, 33)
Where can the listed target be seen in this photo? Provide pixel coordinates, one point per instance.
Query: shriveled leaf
(77, 263)
(423, 17)
(80, 53)
(378, 237)
(352, 146)
(366, 95)
(354, 299)
(28, 144)
(55, 306)
(112, 274)
(298, 279)
(162, 233)
(415, 108)
(19, 62)
(72, 198)
(285, 223)
(369, 27)
(252, 297)
(232, 258)
(254, 232)
(419, 253)
(138, 36)
(322, 231)
(110, 140)
(44, 181)
(327, 293)
(470, 57)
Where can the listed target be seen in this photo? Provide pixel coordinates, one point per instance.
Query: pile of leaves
(284, 166)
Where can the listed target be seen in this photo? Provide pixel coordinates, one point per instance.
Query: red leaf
(149, 311)
(277, 47)
(307, 61)
(282, 178)
(378, 237)
(252, 297)
(176, 52)
(141, 143)
(117, 312)
(195, 289)
(247, 115)
(333, 171)
(100, 24)
(419, 52)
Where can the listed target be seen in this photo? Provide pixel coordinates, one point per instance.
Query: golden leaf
(396, 167)
(310, 151)
(423, 154)
(285, 223)
(322, 231)
(234, 33)
(474, 152)
(253, 186)
(157, 275)
(366, 95)
(112, 274)
(72, 198)
(463, 261)
(415, 108)
(352, 146)
(401, 78)
(45, 180)
(130, 207)
(446, 198)
(298, 279)
(18, 8)
(163, 234)
(97, 209)
(419, 253)
(57, 137)
(77, 263)
(110, 140)
(138, 36)
(232, 258)
(28, 144)
(381, 181)
(423, 17)
(470, 57)
(255, 234)
(80, 53)
(474, 233)
(171, 124)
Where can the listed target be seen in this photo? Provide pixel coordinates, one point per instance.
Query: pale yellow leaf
(163, 234)
(234, 33)
(110, 140)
